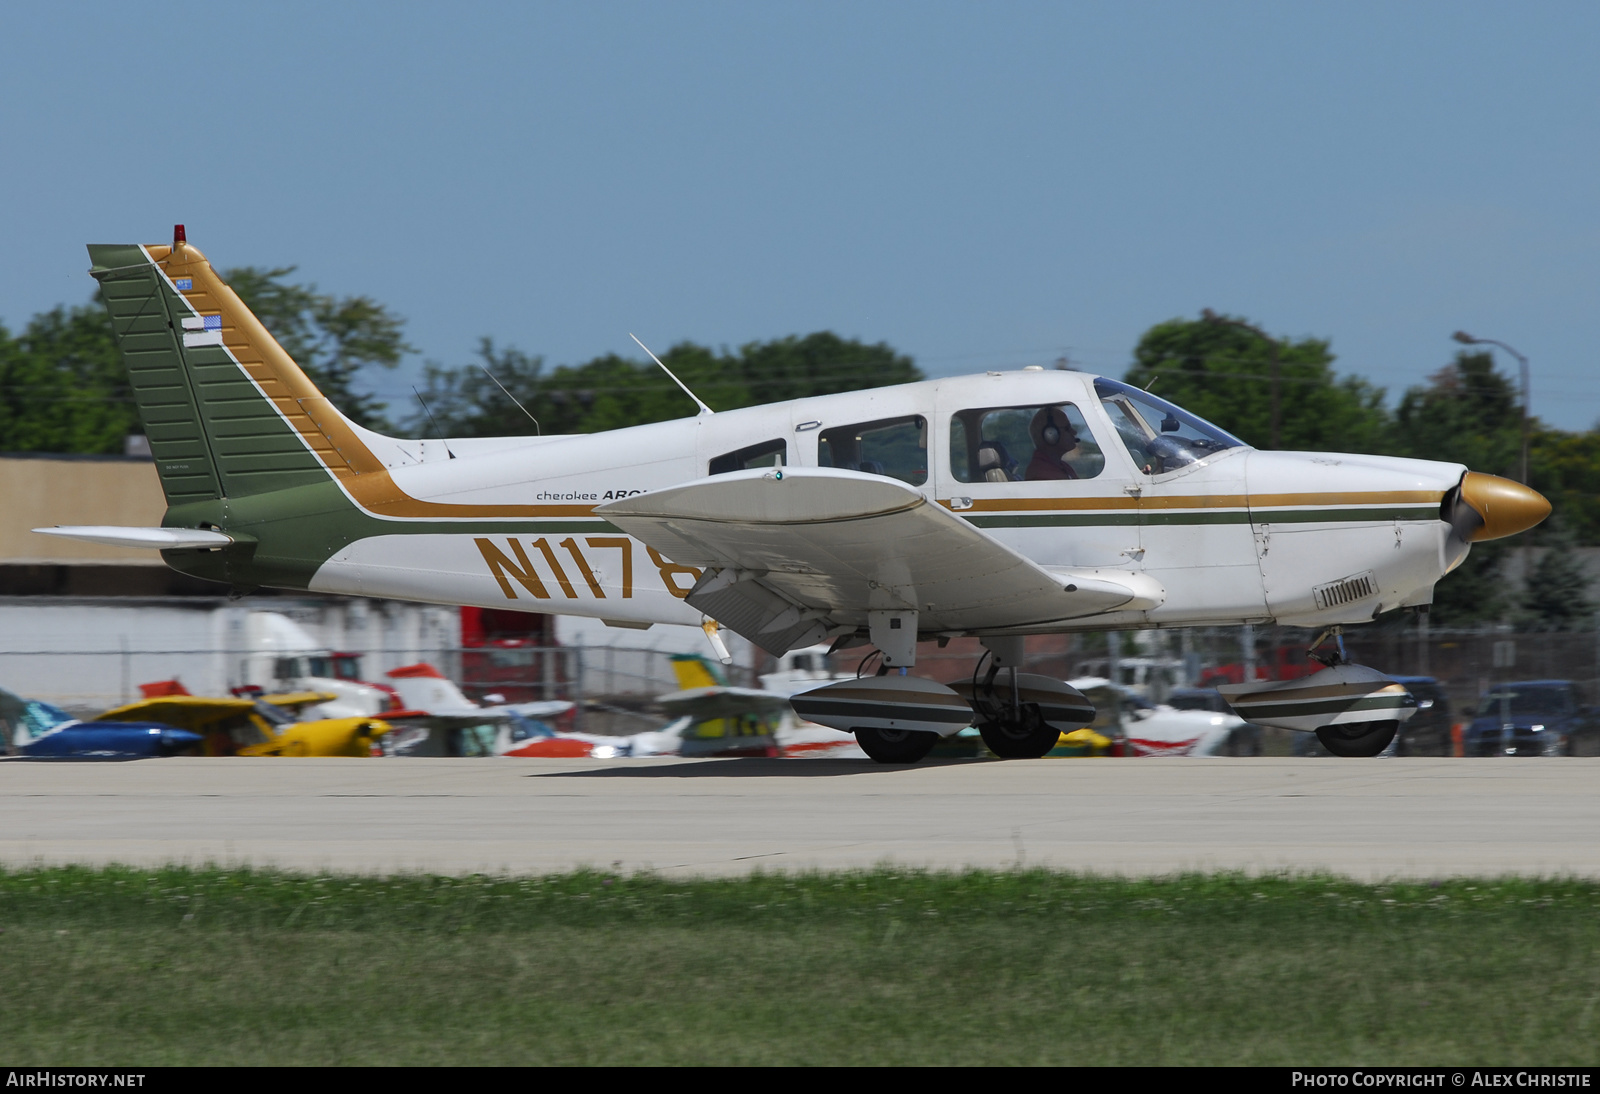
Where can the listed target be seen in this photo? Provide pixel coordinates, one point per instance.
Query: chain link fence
(615, 686)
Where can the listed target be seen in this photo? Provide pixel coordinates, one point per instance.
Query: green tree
(1466, 413)
(1223, 373)
(331, 337)
(62, 385)
(1555, 595)
(1565, 467)
(818, 364)
(1476, 591)
(610, 392)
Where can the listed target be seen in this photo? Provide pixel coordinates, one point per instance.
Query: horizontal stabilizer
(160, 539)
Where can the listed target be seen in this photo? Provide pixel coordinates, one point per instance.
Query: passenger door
(1000, 467)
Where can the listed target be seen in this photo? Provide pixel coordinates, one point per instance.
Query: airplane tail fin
(227, 410)
(694, 671)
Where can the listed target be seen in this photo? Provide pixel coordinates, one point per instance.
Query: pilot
(1054, 440)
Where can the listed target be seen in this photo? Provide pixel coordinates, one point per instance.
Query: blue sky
(980, 185)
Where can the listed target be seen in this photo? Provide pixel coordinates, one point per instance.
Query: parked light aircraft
(265, 726)
(997, 505)
(29, 727)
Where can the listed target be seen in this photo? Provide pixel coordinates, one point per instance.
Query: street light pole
(1272, 347)
(1468, 340)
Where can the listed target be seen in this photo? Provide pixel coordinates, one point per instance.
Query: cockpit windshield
(273, 714)
(1159, 436)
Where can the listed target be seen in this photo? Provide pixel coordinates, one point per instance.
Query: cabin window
(1158, 435)
(766, 454)
(1023, 444)
(896, 448)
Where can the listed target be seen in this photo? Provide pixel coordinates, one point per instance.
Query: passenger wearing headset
(1054, 440)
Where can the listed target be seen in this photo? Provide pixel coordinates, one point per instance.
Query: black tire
(895, 746)
(1025, 740)
(1360, 739)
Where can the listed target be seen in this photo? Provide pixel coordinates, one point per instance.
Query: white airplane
(997, 505)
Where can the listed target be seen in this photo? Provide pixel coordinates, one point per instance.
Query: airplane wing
(485, 717)
(184, 711)
(791, 553)
(294, 699)
(201, 713)
(544, 708)
(703, 704)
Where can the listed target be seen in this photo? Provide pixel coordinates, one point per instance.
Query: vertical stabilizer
(694, 671)
(227, 411)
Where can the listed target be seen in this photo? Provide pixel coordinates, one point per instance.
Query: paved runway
(1369, 819)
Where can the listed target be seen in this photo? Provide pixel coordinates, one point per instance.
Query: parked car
(1427, 732)
(1533, 718)
(1244, 740)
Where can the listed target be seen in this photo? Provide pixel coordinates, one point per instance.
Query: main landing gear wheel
(1009, 715)
(895, 746)
(1359, 738)
(1026, 738)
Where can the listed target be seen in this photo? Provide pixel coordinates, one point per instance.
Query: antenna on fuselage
(675, 380)
(536, 427)
(436, 428)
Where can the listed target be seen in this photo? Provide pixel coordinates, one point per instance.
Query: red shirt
(1045, 466)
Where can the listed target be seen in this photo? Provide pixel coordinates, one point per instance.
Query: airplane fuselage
(1235, 535)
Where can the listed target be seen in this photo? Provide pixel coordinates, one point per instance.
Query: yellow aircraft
(714, 719)
(257, 727)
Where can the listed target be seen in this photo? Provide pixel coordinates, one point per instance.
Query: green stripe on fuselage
(1155, 517)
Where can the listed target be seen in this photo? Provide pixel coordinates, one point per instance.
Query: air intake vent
(1346, 591)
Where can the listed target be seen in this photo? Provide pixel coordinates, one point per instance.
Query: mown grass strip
(123, 966)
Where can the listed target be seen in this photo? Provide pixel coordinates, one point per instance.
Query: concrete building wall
(45, 490)
(90, 654)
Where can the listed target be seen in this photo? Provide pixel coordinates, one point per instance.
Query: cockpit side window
(766, 454)
(894, 447)
(1158, 435)
(1023, 444)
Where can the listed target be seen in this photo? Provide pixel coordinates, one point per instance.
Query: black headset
(1051, 433)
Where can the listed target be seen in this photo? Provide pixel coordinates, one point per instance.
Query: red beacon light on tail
(178, 235)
